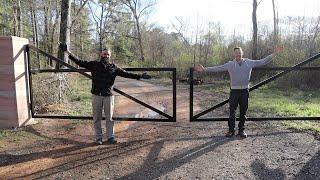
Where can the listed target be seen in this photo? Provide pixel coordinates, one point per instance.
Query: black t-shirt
(103, 75)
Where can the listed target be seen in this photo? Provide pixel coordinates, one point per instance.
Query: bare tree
(82, 4)
(197, 45)
(208, 42)
(208, 45)
(255, 30)
(103, 20)
(137, 11)
(312, 37)
(76, 20)
(180, 28)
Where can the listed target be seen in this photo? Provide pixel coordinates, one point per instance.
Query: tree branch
(79, 10)
(146, 7)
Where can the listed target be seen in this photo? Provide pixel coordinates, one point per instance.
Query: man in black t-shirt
(103, 74)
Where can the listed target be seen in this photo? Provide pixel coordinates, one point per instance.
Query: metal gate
(297, 67)
(168, 118)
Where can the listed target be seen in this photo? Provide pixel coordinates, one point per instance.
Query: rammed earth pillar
(14, 99)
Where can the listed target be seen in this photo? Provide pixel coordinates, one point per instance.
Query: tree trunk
(53, 29)
(34, 24)
(80, 37)
(15, 20)
(208, 46)
(32, 17)
(49, 27)
(47, 17)
(75, 34)
(64, 29)
(46, 24)
(101, 34)
(139, 37)
(65, 23)
(133, 6)
(255, 30)
(275, 29)
(195, 45)
(19, 21)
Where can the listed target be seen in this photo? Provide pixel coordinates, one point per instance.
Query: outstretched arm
(81, 63)
(121, 72)
(266, 60)
(199, 68)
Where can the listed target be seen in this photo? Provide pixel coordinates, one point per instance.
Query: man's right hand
(199, 68)
(278, 49)
(145, 76)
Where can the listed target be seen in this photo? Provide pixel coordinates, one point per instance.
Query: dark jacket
(103, 75)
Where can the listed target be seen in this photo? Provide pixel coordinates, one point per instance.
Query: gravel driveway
(149, 150)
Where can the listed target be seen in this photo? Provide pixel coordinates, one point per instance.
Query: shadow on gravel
(11, 159)
(311, 170)
(262, 172)
(153, 170)
(96, 154)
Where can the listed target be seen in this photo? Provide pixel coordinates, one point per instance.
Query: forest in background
(123, 26)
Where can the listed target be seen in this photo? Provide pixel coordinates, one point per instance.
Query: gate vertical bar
(191, 93)
(30, 81)
(174, 94)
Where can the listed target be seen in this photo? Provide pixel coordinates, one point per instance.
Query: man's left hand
(63, 46)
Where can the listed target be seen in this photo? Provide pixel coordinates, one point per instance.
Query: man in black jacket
(103, 74)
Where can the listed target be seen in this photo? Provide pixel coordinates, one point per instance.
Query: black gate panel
(168, 118)
(284, 70)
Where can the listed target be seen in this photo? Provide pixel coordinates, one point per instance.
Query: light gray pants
(106, 103)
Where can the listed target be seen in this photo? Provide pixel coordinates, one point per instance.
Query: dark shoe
(242, 134)
(99, 141)
(230, 133)
(112, 140)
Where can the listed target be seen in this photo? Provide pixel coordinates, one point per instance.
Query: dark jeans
(241, 97)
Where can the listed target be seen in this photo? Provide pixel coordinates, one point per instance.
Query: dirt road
(148, 150)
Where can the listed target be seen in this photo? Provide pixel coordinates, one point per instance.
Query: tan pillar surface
(14, 110)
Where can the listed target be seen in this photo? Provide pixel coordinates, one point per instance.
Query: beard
(105, 59)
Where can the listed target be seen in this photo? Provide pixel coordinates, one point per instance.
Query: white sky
(232, 14)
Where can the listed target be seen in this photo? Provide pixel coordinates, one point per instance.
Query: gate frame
(169, 118)
(284, 70)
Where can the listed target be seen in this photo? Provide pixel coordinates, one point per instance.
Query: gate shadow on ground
(10, 159)
(102, 153)
(311, 170)
(262, 172)
(157, 169)
(160, 168)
